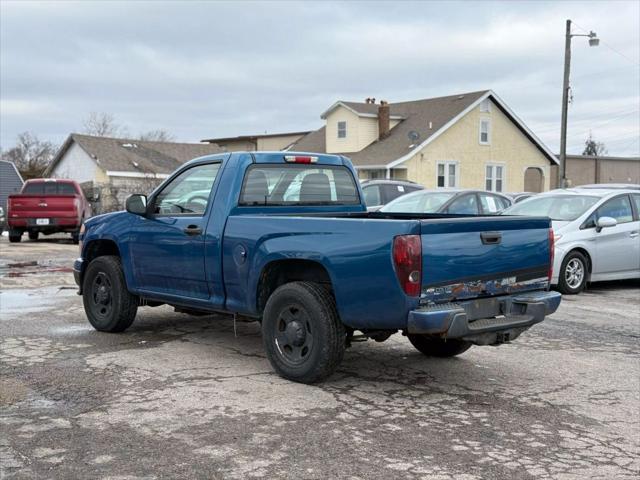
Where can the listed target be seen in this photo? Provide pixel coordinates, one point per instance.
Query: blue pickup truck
(285, 239)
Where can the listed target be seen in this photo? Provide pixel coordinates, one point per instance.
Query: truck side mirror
(136, 204)
(605, 222)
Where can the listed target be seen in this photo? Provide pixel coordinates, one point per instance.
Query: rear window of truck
(298, 185)
(49, 188)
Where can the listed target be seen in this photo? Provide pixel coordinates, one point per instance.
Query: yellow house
(472, 140)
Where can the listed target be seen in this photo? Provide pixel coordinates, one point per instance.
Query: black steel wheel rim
(101, 295)
(293, 335)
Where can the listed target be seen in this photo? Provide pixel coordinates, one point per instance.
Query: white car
(597, 234)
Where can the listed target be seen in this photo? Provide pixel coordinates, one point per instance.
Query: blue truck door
(168, 245)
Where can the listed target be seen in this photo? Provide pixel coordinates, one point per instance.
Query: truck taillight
(552, 252)
(407, 258)
(300, 159)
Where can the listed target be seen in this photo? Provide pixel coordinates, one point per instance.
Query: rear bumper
(484, 321)
(57, 224)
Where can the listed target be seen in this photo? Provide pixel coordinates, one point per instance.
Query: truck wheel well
(280, 272)
(586, 255)
(99, 248)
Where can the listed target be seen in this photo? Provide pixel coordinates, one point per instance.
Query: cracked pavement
(182, 397)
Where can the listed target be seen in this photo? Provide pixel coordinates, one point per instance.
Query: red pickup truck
(47, 205)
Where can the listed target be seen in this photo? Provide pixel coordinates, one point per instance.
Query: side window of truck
(188, 193)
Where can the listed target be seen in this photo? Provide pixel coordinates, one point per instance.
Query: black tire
(572, 277)
(14, 236)
(107, 302)
(33, 235)
(302, 334)
(75, 237)
(437, 347)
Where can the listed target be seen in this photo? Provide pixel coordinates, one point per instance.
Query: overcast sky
(212, 69)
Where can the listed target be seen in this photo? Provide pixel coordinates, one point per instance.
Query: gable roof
(440, 113)
(134, 157)
(253, 138)
(360, 109)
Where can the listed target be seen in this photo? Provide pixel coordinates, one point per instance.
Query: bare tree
(159, 135)
(591, 147)
(30, 155)
(103, 124)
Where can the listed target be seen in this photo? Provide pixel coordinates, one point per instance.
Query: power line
(637, 64)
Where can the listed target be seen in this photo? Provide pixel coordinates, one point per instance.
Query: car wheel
(15, 236)
(437, 347)
(75, 237)
(572, 277)
(33, 235)
(302, 334)
(107, 302)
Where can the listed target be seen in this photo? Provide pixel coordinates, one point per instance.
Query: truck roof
(282, 157)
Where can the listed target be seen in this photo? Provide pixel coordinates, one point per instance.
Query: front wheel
(437, 347)
(572, 277)
(302, 334)
(107, 302)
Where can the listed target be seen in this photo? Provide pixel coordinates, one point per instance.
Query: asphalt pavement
(177, 396)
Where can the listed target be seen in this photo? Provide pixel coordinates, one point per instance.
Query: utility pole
(565, 107)
(593, 42)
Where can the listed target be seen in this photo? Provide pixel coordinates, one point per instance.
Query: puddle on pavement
(20, 269)
(20, 301)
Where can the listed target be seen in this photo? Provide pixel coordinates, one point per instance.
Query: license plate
(42, 221)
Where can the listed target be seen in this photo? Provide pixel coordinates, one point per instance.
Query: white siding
(77, 165)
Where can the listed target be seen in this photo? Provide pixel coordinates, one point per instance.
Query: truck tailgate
(42, 206)
(484, 256)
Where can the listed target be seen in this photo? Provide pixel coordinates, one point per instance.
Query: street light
(594, 41)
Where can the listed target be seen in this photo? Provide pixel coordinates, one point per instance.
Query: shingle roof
(418, 116)
(311, 142)
(141, 156)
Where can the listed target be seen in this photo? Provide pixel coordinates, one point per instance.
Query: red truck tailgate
(42, 206)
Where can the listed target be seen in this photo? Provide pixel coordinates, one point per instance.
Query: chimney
(383, 120)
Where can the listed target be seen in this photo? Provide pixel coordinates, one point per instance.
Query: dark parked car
(381, 192)
(464, 202)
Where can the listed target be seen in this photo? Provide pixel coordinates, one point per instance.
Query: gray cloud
(203, 69)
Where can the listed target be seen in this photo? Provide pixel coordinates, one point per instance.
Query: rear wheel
(75, 237)
(437, 347)
(15, 236)
(107, 302)
(302, 334)
(572, 277)
(33, 235)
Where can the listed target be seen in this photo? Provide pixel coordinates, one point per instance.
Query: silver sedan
(596, 234)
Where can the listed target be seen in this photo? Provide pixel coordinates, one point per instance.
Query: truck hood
(98, 219)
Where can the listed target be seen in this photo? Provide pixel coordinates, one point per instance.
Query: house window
(377, 174)
(447, 174)
(485, 106)
(342, 129)
(485, 131)
(494, 178)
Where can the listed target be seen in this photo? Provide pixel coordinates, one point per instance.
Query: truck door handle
(491, 238)
(633, 234)
(193, 230)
